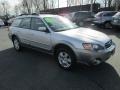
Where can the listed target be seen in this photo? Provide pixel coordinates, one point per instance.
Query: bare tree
(58, 3)
(5, 7)
(45, 3)
(89, 1)
(16, 9)
(37, 5)
(25, 5)
(74, 2)
(51, 4)
(107, 3)
(69, 3)
(116, 4)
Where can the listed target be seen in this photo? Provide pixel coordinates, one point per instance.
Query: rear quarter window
(117, 14)
(16, 22)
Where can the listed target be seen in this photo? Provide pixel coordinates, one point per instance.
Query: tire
(16, 44)
(65, 58)
(107, 25)
(81, 24)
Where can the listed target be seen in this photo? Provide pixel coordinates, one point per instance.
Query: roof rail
(34, 14)
(29, 14)
(23, 14)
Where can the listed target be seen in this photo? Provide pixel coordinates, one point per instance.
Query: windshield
(58, 23)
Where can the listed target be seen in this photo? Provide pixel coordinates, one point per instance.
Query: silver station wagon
(60, 37)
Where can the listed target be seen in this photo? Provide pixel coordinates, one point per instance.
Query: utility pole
(58, 3)
(67, 3)
(44, 4)
(91, 7)
(116, 5)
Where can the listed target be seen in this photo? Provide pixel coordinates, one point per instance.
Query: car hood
(86, 34)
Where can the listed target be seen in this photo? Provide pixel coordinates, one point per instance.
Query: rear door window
(110, 14)
(25, 23)
(17, 22)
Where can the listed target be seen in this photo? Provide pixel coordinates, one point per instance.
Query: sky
(62, 3)
(11, 2)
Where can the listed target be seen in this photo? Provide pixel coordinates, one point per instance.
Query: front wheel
(65, 58)
(108, 25)
(81, 24)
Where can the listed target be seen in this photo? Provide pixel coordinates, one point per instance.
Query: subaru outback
(60, 37)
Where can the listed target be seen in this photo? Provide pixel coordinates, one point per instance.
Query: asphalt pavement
(33, 70)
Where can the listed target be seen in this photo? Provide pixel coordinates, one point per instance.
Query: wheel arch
(13, 36)
(109, 21)
(56, 47)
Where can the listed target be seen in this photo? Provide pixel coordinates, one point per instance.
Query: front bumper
(115, 25)
(95, 57)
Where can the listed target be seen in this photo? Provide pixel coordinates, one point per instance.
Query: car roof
(39, 16)
(83, 11)
(108, 11)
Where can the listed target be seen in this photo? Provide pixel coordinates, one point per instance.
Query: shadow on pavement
(31, 70)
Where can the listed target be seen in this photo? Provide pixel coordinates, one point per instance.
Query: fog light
(96, 62)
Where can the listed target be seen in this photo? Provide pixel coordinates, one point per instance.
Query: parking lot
(32, 70)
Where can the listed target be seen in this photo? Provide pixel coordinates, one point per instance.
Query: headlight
(89, 46)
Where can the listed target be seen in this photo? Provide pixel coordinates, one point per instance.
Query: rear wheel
(16, 44)
(65, 58)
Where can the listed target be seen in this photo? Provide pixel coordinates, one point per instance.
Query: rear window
(83, 14)
(16, 22)
(117, 14)
(99, 14)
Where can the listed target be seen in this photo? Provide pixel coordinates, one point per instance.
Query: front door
(39, 38)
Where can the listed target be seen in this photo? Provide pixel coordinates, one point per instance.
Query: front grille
(108, 44)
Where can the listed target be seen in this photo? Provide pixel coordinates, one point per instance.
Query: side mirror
(43, 29)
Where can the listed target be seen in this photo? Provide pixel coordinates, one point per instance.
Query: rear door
(108, 16)
(24, 29)
(14, 29)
